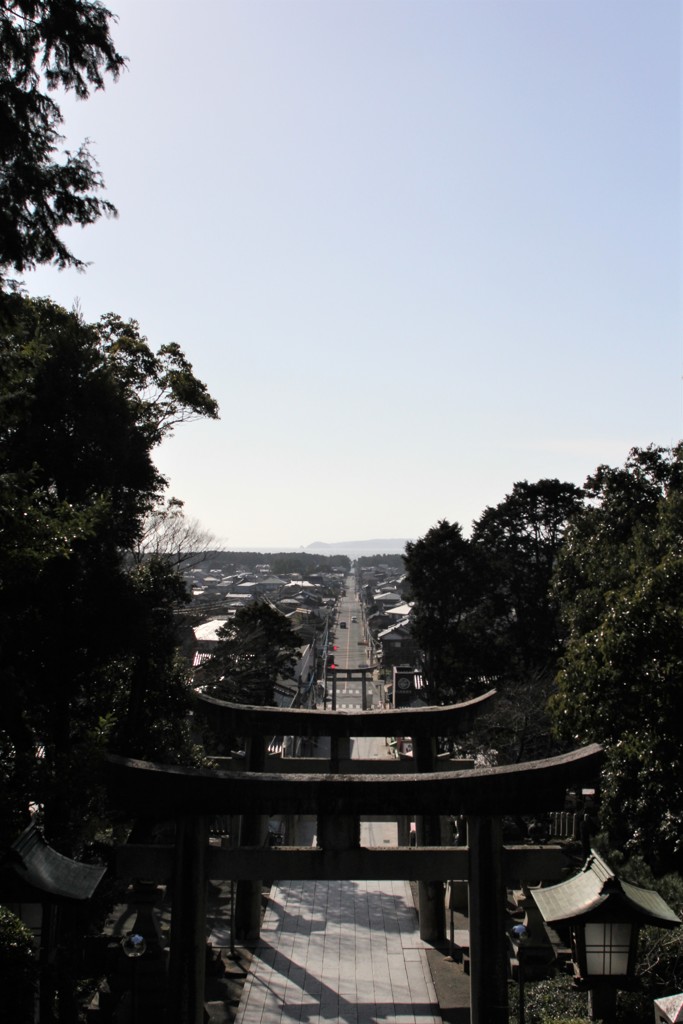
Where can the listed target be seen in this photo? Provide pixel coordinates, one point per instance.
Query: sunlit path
(342, 951)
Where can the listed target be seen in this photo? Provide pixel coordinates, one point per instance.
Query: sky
(419, 250)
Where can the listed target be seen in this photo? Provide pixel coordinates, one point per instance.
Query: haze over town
(417, 250)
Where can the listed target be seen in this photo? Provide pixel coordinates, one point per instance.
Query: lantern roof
(31, 866)
(596, 891)
(672, 1006)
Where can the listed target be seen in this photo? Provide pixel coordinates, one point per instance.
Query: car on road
(354, 619)
(342, 625)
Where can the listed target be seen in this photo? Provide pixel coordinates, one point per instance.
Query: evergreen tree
(444, 581)
(45, 46)
(620, 580)
(520, 540)
(82, 407)
(254, 649)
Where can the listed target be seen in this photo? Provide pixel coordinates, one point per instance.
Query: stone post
(403, 824)
(340, 750)
(602, 1001)
(338, 831)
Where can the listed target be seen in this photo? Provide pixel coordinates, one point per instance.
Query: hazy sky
(418, 249)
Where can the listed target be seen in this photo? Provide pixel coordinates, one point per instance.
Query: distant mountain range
(356, 548)
(350, 548)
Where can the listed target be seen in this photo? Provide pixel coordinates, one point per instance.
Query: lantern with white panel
(603, 915)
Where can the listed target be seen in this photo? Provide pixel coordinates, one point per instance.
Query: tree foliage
(659, 963)
(150, 718)
(393, 560)
(169, 535)
(302, 561)
(254, 648)
(484, 614)
(86, 645)
(620, 580)
(554, 1000)
(516, 726)
(46, 46)
(279, 562)
(18, 969)
(516, 620)
(444, 582)
(520, 539)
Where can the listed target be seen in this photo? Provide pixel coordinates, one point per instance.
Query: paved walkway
(340, 951)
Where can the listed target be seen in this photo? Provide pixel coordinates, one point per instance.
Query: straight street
(351, 651)
(344, 951)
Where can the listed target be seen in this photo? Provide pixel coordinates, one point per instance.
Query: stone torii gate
(422, 724)
(190, 796)
(349, 675)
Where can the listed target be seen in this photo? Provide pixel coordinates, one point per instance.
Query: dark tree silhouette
(45, 46)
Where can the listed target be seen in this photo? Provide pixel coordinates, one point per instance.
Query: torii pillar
(253, 832)
(488, 942)
(431, 905)
(187, 965)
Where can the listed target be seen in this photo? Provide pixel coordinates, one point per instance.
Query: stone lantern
(604, 915)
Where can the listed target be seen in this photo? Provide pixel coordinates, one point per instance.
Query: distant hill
(350, 548)
(356, 548)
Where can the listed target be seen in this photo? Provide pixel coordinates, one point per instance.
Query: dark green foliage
(46, 45)
(520, 540)
(659, 964)
(87, 646)
(73, 431)
(279, 562)
(554, 1001)
(395, 561)
(620, 581)
(152, 717)
(161, 387)
(18, 969)
(305, 562)
(483, 607)
(517, 620)
(445, 582)
(255, 647)
(484, 614)
(516, 726)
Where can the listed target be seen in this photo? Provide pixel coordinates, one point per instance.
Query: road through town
(351, 651)
(345, 951)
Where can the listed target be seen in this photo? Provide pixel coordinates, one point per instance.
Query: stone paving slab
(340, 951)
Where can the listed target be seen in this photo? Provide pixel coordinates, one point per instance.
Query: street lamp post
(520, 937)
(134, 947)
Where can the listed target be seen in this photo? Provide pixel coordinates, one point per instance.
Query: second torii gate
(482, 795)
(351, 675)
